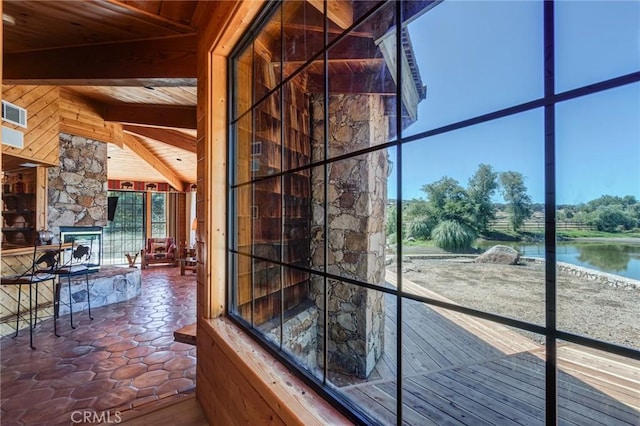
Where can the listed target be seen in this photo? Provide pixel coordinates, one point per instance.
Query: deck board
(462, 370)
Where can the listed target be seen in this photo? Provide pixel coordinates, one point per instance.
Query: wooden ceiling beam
(182, 117)
(356, 83)
(174, 15)
(166, 58)
(351, 47)
(136, 145)
(338, 11)
(170, 137)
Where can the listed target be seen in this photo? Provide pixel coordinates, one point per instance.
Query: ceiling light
(29, 165)
(179, 159)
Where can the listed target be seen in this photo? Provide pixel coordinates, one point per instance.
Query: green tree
(419, 219)
(447, 200)
(518, 201)
(612, 219)
(482, 186)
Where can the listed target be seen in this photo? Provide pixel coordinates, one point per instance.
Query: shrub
(421, 228)
(454, 236)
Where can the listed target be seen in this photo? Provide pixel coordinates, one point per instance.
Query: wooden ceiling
(137, 61)
(135, 58)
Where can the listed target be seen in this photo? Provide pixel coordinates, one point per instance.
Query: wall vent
(14, 114)
(11, 137)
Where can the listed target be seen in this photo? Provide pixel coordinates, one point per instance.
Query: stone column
(357, 192)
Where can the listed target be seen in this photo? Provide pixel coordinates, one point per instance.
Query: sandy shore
(584, 307)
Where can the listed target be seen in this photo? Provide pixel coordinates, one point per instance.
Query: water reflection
(606, 257)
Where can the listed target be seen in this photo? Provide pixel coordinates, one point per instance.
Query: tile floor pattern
(125, 357)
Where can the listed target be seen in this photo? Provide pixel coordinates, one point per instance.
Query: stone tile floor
(124, 358)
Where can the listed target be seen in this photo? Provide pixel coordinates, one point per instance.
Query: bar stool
(70, 268)
(43, 264)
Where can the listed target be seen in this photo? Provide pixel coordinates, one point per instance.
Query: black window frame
(548, 102)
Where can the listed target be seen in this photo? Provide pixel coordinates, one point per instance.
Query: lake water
(614, 258)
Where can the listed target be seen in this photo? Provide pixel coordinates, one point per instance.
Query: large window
(435, 206)
(158, 214)
(125, 233)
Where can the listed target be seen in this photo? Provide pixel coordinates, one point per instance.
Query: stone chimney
(357, 191)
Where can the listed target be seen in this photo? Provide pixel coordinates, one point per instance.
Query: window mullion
(551, 368)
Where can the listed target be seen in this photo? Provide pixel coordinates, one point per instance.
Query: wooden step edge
(186, 334)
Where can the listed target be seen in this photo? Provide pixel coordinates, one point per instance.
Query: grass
(576, 233)
(418, 243)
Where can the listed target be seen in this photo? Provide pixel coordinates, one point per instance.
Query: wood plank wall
(247, 387)
(83, 117)
(41, 137)
(234, 383)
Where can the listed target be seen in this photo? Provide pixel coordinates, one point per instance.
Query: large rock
(503, 255)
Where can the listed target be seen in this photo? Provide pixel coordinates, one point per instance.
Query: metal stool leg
(88, 295)
(18, 311)
(70, 303)
(56, 305)
(31, 324)
(35, 321)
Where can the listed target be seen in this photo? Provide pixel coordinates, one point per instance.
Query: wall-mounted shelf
(19, 208)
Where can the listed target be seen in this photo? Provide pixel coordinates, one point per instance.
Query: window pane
(158, 230)
(469, 195)
(595, 40)
(361, 87)
(474, 58)
(158, 214)
(317, 239)
(125, 233)
(244, 77)
(267, 280)
(596, 386)
(247, 152)
(303, 326)
(392, 238)
(361, 348)
(303, 33)
(297, 218)
(598, 196)
(266, 56)
(246, 213)
(266, 155)
(267, 222)
(298, 119)
(243, 292)
(462, 370)
(356, 217)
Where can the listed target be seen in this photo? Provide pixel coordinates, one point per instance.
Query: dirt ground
(584, 307)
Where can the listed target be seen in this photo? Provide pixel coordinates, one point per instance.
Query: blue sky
(479, 56)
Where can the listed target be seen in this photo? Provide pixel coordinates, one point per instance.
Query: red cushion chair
(159, 250)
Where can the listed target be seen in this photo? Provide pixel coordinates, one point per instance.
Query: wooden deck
(462, 370)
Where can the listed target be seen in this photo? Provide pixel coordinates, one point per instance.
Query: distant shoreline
(623, 240)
